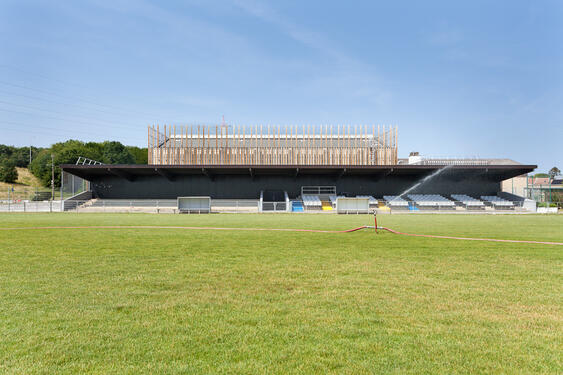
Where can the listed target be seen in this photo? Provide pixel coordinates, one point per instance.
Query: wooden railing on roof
(272, 145)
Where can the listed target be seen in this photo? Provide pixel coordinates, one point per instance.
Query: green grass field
(195, 301)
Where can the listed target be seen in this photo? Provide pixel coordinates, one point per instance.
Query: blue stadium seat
(297, 206)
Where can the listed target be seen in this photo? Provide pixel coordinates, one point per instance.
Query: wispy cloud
(348, 76)
(454, 45)
(298, 33)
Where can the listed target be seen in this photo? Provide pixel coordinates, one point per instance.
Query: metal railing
(85, 161)
(318, 190)
(453, 161)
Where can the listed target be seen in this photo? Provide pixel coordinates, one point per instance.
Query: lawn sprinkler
(374, 226)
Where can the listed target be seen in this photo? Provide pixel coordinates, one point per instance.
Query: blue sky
(479, 79)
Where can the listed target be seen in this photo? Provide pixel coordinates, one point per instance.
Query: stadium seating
(396, 202)
(297, 206)
(431, 201)
(468, 202)
(326, 206)
(498, 202)
(311, 201)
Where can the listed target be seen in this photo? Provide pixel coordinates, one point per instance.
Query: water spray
(424, 180)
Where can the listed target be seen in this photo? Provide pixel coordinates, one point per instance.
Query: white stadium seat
(431, 200)
(311, 200)
(497, 201)
(395, 200)
(467, 200)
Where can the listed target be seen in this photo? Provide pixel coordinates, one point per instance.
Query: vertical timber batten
(273, 146)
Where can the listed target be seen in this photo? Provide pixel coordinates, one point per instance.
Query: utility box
(194, 205)
(346, 205)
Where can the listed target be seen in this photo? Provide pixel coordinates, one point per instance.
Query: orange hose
(191, 228)
(288, 230)
(470, 238)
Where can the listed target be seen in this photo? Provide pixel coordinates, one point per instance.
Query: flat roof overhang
(132, 171)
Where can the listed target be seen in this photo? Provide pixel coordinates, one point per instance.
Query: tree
(8, 171)
(20, 155)
(65, 153)
(6, 152)
(116, 153)
(40, 167)
(140, 154)
(68, 152)
(554, 172)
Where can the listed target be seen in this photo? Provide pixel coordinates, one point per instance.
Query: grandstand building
(252, 162)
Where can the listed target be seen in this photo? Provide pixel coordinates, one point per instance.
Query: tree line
(108, 152)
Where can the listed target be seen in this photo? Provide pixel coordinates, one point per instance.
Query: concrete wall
(515, 185)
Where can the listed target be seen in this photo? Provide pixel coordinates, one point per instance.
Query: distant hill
(24, 188)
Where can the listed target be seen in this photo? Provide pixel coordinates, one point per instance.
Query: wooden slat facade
(272, 145)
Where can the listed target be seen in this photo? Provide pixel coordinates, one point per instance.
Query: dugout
(349, 205)
(194, 205)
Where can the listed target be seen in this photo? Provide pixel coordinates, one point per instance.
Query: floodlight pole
(52, 176)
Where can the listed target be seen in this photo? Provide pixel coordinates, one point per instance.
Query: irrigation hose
(289, 230)
(470, 238)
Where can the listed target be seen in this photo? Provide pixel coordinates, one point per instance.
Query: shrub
(8, 172)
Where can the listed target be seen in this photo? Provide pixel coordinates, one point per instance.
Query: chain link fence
(19, 193)
(22, 198)
(72, 185)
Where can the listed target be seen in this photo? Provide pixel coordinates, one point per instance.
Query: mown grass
(178, 301)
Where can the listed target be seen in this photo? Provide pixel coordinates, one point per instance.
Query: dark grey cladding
(244, 182)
